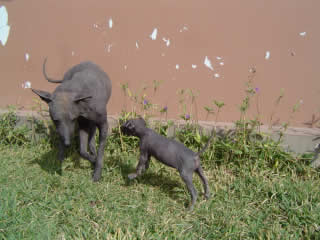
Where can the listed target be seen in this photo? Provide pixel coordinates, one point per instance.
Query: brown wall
(240, 32)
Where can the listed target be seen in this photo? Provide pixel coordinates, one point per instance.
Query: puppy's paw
(207, 196)
(190, 208)
(132, 176)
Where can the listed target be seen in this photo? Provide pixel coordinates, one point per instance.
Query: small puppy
(167, 151)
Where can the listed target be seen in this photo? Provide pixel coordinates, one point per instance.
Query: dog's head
(133, 127)
(64, 111)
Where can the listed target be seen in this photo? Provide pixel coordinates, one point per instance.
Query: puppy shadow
(149, 178)
(171, 187)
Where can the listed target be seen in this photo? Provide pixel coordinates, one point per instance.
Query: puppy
(169, 152)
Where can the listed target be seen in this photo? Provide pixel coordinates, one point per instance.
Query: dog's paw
(132, 176)
(96, 176)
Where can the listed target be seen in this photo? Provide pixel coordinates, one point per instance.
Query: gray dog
(81, 97)
(167, 151)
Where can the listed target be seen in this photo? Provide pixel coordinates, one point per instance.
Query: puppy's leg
(204, 180)
(187, 178)
(141, 167)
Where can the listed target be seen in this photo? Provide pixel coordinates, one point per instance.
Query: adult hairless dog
(82, 97)
(169, 152)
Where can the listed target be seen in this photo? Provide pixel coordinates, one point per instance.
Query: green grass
(37, 201)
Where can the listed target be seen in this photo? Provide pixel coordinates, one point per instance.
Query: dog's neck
(142, 131)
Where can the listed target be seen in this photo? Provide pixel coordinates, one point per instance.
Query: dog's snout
(67, 143)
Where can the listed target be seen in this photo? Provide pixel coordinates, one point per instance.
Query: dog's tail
(213, 133)
(45, 74)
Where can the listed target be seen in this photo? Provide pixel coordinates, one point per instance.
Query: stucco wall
(241, 33)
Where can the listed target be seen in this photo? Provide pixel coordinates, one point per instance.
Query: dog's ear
(130, 125)
(45, 96)
(80, 98)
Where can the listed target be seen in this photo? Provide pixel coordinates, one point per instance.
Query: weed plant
(259, 190)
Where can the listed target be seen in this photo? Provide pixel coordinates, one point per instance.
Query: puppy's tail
(213, 134)
(45, 74)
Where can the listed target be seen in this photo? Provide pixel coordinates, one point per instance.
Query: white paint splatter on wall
(167, 41)
(219, 58)
(4, 27)
(153, 35)
(108, 47)
(26, 84)
(267, 56)
(303, 34)
(221, 63)
(208, 63)
(194, 66)
(27, 57)
(137, 44)
(110, 23)
(216, 75)
(177, 66)
(184, 28)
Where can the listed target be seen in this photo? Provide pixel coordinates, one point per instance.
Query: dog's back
(168, 151)
(88, 79)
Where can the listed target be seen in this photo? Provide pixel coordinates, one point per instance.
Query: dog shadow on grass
(150, 177)
(49, 162)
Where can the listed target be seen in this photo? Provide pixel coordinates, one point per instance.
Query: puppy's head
(133, 127)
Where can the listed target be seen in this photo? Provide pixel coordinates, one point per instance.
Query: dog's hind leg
(187, 178)
(92, 140)
(204, 180)
(83, 137)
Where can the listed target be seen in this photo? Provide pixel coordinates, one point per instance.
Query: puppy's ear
(130, 125)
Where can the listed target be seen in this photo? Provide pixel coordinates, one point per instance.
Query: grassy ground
(36, 202)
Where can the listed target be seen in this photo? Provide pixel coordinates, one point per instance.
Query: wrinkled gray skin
(81, 97)
(167, 151)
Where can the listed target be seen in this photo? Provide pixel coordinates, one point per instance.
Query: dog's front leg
(141, 167)
(61, 151)
(103, 130)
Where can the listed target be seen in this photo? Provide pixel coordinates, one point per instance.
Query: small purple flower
(256, 89)
(187, 117)
(145, 102)
(164, 109)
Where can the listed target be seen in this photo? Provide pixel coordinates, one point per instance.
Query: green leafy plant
(10, 133)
